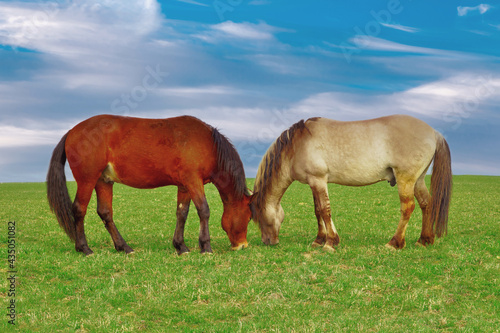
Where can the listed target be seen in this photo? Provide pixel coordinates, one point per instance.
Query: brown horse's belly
(146, 178)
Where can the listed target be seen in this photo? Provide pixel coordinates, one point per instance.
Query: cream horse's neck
(277, 185)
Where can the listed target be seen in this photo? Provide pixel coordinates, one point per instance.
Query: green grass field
(452, 286)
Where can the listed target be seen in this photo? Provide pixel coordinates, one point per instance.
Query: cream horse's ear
(250, 191)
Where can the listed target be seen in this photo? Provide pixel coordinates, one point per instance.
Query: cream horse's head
(269, 219)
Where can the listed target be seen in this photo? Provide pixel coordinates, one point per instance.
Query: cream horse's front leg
(327, 233)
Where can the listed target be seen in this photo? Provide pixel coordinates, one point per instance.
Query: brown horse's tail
(441, 184)
(57, 192)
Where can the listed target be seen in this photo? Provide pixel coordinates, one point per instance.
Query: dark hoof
(183, 251)
(181, 248)
(424, 241)
(396, 243)
(205, 247)
(85, 249)
(336, 240)
(319, 241)
(127, 249)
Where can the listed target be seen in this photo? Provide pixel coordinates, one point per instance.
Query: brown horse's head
(235, 220)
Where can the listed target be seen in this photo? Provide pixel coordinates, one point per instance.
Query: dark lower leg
(183, 201)
(424, 198)
(204, 239)
(119, 242)
(81, 244)
(407, 207)
(321, 237)
(104, 192)
(324, 209)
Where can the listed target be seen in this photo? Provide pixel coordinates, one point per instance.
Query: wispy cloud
(481, 9)
(459, 95)
(378, 44)
(400, 27)
(192, 2)
(85, 39)
(197, 91)
(12, 136)
(245, 30)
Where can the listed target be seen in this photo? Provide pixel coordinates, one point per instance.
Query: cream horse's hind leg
(424, 199)
(326, 228)
(406, 197)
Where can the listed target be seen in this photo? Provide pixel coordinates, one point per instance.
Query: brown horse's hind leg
(183, 202)
(320, 193)
(424, 199)
(321, 237)
(83, 195)
(104, 192)
(406, 198)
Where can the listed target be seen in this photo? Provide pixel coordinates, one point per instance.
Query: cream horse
(398, 149)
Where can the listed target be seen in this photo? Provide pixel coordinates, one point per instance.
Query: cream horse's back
(364, 152)
(398, 149)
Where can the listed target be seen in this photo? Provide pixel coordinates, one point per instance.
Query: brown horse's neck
(226, 187)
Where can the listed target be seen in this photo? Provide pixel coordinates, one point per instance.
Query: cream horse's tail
(441, 185)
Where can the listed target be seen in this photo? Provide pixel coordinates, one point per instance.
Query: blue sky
(249, 67)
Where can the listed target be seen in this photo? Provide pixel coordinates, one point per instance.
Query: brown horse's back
(142, 153)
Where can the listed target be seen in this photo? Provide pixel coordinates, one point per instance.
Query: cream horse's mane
(271, 165)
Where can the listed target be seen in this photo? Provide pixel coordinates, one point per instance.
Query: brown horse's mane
(230, 164)
(271, 165)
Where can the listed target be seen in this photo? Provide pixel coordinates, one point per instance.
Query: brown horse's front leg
(183, 202)
(197, 193)
(204, 240)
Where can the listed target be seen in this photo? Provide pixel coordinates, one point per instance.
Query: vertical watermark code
(11, 272)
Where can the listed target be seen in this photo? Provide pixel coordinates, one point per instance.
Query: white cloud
(400, 27)
(196, 91)
(86, 39)
(12, 136)
(378, 44)
(192, 2)
(481, 9)
(244, 31)
(461, 96)
(64, 30)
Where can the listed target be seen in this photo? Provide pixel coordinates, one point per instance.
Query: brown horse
(148, 153)
(397, 148)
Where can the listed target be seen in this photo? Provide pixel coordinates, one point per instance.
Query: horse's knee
(182, 211)
(79, 211)
(407, 207)
(204, 212)
(104, 213)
